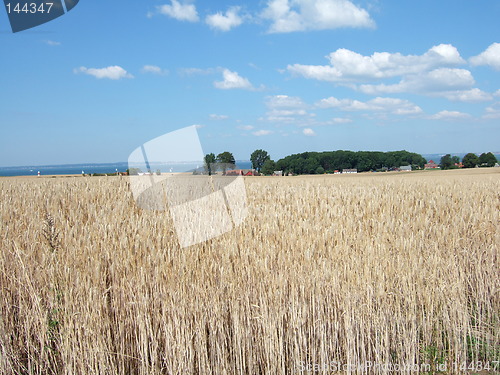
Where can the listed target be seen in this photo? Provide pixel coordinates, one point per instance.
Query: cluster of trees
(319, 162)
(329, 161)
(223, 161)
(261, 161)
(469, 161)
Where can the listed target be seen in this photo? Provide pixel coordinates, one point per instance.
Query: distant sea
(103, 168)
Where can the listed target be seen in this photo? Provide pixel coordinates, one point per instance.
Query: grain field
(358, 273)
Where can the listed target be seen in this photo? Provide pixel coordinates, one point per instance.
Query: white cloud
(198, 126)
(301, 15)
(390, 105)
(111, 72)
(153, 69)
(214, 116)
(450, 115)
(259, 133)
(493, 112)
(225, 22)
(233, 80)
(287, 112)
(472, 95)
(52, 43)
(284, 101)
(497, 93)
(309, 132)
(491, 57)
(349, 66)
(286, 109)
(435, 81)
(245, 127)
(179, 11)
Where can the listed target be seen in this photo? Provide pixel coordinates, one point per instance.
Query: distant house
(278, 173)
(336, 171)
(405, 168)
(241, 172)
(459, 165)
(349, 171)
(431, 165)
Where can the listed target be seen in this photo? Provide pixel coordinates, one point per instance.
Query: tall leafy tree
(225, 161)
(269, 167)
(210, 161)
(258, 158)
(446, 162)
(487, 159)
(470, 160)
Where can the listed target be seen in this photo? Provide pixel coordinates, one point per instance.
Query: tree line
(331, 161)
(470, 160)
(319, 162)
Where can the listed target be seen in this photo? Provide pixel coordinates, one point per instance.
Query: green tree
(470, 160)
(446, 162)
(487, 159)
(418, 161)
(225, 161)
(210, 161)
(455, 159)
(258, 158)
(320, 170)
(269, 167)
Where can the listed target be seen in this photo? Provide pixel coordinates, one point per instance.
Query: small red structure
(431, 165)
(241, 172)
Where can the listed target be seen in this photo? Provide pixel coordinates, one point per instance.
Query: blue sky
(283, 75)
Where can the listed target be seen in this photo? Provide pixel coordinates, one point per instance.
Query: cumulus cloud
(301, 15)
(309, 132)
(179, 11)
(286, 109)
(214, 116)
(472, 95)
(450, 116)
(111, 72)
(379, 104)
(259, 133)
(497, 93)
(232, 80)
(226, 21)
(349, 66)
(491, 57)
(433, 82)
(153, 69)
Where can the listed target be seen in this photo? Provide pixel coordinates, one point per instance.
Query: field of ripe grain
(388, 269)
